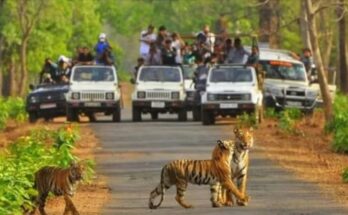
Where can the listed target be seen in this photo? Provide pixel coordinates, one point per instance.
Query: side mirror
(132, 81)
(31, 87)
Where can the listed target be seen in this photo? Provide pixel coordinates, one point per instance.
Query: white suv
(231, 90)
(159, 89)
(93, 89)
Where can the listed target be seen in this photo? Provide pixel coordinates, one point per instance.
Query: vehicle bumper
(169, 106)
(59, 109)
(280, 103)
(218, 110)
(94, 106)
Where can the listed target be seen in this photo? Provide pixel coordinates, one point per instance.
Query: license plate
(229, 105)
(48, 106)
(92, 104)
(295, 104)
(158, 104)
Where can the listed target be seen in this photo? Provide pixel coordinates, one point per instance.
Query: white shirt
(177, 45)
(144, 47)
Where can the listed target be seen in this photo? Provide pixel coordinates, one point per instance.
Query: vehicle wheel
(207, 117)
(32, 117)
(182, 115)
(196, 114)
(91, 117)
(116, 115)
(136, 114)
(154, 115)
(71, 115)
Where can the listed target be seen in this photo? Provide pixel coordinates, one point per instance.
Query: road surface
(133, 154)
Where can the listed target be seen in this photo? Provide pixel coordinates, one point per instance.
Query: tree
(342, 46)
(311, 11)
(269, 22)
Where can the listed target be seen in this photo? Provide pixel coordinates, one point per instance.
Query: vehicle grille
(158, 95)
(295, 93)
(230, 97)
(49, 97)
(92, 96)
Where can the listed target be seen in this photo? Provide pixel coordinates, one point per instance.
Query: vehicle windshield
(284, 70)
(161, 74)
(231, 75)
(93, 74)
(188, 71)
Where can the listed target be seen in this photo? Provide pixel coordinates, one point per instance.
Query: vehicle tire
(91, 117)
(196, 114)
(182, 115)
(154, 115)
(207, 117)
(136, 114)
(116, 115)
(71, 115)
(32, 117)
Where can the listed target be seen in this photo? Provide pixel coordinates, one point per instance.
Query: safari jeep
(159, 89)
(286, 83)
(231, 90)
(93, 89)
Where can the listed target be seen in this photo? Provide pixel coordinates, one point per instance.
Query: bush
(339, 124)
(12, 108)
(25, 156)
(271, 113)
(247, 120)
(287, 120)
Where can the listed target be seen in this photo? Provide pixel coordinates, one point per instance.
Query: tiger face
(76, 171)
(245, 137)
(226, 144)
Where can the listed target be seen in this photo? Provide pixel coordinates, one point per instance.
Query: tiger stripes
(201, 172)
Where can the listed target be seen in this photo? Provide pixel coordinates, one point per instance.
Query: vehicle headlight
(312, 93)
(211, 97)
(175, 95)
(75, 95)
(141, 94)
(109, 96)
(33, 99)
(246, 97)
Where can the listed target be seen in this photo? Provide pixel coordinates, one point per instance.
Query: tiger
(244, 140)
(59, 181)
(215, 172)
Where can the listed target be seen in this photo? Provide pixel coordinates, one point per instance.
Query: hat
(64, 59)
(102, 37)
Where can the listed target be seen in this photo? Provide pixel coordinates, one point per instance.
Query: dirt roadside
(308, 155)
(97, 191)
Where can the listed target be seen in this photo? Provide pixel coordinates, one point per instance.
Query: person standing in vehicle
(253, 58)
(85, 57)
(178, 44)
(146, 38)
(154, 57)
(237, 54)
(161, 37)
(206, 38)
(306, 58)
(101, 46)
(168, 53)
(48, 68)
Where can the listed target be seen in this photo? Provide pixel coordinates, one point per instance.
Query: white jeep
(286, 84)
(159, 89)
(231, 90)
(93, 89)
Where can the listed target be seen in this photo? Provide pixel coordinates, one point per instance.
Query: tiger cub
(208, 172)
(244, 140)
(59, 181)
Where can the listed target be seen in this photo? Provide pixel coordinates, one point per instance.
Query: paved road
(132, 155)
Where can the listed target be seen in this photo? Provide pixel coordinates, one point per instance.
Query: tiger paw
(216, 204)
(228, 204)
(244, 201)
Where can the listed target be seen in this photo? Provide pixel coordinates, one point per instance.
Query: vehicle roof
(233, 65)
(160, 66)
(97, 66)
(275, 54)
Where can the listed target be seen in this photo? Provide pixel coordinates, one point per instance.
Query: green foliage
(247, 120)
(271, 113)
(12, 108)
(25, 156)
(288, 118)
(339, 124)
(345, 175)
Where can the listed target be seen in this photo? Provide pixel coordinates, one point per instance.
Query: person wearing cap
(168, 53)
(64, 65)
(146, 38)
(206, 38)
(101, 46)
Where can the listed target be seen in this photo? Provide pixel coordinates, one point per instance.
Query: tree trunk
(304, 27)
(269, 23)
(324, 88)
(23, 67)
(342, 48)
(12, 79)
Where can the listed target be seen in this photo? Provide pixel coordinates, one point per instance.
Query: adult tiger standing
(215, 172)
(59, 181)
(244, 140)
